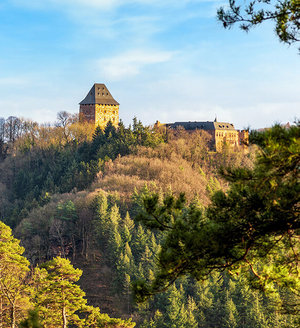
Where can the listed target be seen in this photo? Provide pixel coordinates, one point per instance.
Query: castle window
(102, 94)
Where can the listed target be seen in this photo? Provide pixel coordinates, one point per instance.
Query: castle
(100, 107)
(221, 133)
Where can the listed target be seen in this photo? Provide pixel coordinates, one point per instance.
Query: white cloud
(11, 81)
(131, 63)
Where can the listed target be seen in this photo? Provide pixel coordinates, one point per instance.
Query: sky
(166, 60)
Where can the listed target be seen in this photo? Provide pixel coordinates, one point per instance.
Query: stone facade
(100, 107)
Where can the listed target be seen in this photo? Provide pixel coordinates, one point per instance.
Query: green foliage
(113, 142)
(252, 228)
(283, 14)
(64, 159)
(58, 297)
(32, 321)
(176, 316)
(14, 268)
(99, 226)
(50, 297)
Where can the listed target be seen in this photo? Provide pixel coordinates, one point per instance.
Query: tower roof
(99, 94)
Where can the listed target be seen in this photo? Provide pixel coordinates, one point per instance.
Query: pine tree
(126, 235)
(204, 301)
(191, 309)
(256, 317)
(114, 245)
(100, 217)
(146, 259)
(14, 268)
(252, 228)
(128, 222)
(114, 216)
(127, 292)
(175, 316)
(230, 313)
(57, 296)
(32, 321)
(139, 243)
(66, 214)
(158, 320)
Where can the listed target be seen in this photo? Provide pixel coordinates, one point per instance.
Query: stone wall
(229, 137)
(101, 114)
(106, 113)
(88, 111)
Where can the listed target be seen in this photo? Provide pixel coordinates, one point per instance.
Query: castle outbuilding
(221, 132)
(99, 106)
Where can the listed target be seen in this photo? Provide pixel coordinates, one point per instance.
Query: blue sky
(166, 60)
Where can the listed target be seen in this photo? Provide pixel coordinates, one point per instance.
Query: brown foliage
(129, 172)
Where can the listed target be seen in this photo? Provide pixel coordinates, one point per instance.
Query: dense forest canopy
(72, 192)
(252, 228)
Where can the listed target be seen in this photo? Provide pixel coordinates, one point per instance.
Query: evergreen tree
(191, 309)
(58, 297)
(32, 321)
(175, 316)
(128, 223)
(101, 221)
(114, 217)
(252, 228)
(114, 245)
(146, 259)
(139, 243)
(66, 213)
(14, 292)
(158, 320)
(125, 234)
(127, 292)
(231, 315)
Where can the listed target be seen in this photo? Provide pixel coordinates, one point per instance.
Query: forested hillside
(73, 192)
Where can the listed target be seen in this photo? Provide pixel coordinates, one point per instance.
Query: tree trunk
(83, 241)
(74, 245)
(64, 317)
(12, 316)
(1, 312)
(86, 246)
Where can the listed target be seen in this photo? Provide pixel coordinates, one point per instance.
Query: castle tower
(100, 107)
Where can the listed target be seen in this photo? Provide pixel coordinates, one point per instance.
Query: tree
(191, 309)
(58, 297)
(176, 316)
(285, 15)
(60, 301)
(251, 229)
(14, 293)
(63, 226)
(32, 321)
